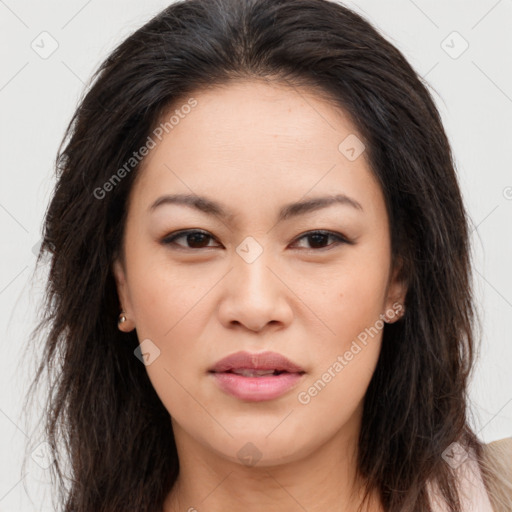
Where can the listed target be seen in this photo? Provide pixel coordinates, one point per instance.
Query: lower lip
(256, 389)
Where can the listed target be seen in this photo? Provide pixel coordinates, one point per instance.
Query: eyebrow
(215, 209)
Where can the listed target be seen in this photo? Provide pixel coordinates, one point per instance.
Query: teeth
(252, 373)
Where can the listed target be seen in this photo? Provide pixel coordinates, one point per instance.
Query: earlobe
(394, 313)
(125, 320)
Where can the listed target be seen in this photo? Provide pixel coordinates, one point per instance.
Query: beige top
(473, 493)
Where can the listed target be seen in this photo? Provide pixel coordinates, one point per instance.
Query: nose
(255, 295)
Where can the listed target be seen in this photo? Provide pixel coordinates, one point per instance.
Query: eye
(318, 238)
(196, 239)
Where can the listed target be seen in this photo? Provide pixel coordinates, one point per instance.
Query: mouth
(260, 362)
(256, 377)
(249, 372)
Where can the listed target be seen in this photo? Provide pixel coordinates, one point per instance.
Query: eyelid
(339, 237)
(169, 239)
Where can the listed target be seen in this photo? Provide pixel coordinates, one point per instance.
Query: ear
(396, 293)
(125, 305)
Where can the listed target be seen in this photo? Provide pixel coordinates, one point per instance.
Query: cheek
(350, 306)
(165, 295)
(172, 308)
(170, 313)
(334, 397)
(351, 300)
(350, 347)
(174, 322)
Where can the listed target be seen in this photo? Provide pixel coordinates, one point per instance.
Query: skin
(255, 147)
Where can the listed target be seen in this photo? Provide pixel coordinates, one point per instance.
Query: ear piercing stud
(397, 314)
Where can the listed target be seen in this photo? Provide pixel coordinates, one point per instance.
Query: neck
(325, 479)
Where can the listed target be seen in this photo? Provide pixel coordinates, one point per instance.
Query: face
(251, 273)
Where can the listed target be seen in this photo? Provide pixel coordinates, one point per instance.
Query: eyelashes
(198, 238)
(193, 234)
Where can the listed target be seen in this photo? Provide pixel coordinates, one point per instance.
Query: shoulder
(501, 444)
(500, 453)
(497, 459)
(495, 495)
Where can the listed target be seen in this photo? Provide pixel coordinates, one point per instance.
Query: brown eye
(194, 239)
(319, 239)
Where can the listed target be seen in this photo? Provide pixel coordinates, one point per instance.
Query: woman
(260, 282)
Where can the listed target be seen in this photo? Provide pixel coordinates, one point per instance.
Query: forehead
(250, 115)
(250, 141)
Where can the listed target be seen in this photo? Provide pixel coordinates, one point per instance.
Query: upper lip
(256, 361)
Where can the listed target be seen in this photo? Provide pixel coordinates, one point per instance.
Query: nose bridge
(252, 270)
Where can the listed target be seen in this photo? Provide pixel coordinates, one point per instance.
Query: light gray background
(38, 96)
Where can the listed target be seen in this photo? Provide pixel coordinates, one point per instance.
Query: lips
(263, 363)
(256, 377)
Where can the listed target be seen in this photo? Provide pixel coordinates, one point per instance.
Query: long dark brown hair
(102, 412)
